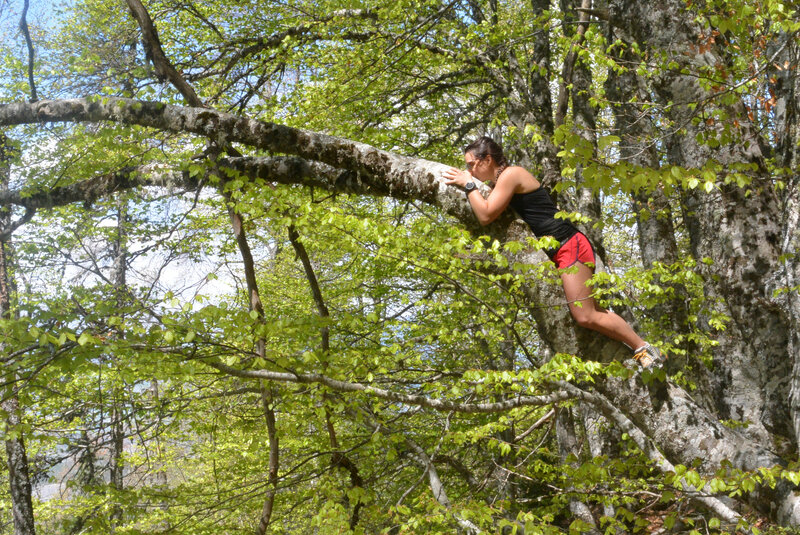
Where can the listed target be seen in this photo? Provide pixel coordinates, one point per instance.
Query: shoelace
(642, 358)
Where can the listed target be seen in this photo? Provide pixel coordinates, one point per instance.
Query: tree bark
(577, 74)
(784, 86)
(17, 457)
(339, 459)
(655, 230)
(568, 447)
(267, 396)
(735, 228)
(119, 277)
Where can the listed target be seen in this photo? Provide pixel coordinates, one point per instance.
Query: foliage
(129, 310)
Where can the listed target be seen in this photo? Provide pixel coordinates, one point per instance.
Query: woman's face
(480, 168)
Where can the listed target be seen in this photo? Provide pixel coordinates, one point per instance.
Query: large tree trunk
(655, 230)
(785, 86)
(736, 228)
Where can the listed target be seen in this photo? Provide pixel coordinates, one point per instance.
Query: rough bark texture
(119, 272)
(18, 471)
(785, 86)
(735, 228)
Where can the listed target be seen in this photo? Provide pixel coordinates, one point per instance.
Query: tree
(16, 454)
(667, 120)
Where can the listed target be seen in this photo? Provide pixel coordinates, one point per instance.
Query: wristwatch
(469, 186)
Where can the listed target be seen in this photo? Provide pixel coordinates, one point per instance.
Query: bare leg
(589, 314)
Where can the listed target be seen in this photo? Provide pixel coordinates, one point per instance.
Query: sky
(41, 14)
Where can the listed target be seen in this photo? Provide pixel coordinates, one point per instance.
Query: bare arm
(511, 181)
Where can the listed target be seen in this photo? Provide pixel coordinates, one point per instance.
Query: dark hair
(486, 146)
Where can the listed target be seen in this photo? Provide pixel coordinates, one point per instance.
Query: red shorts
(576, 249)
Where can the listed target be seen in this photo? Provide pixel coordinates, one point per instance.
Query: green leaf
(604, 141)
(84, 339)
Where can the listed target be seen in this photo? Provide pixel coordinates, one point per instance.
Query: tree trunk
(119, 278)
(785, 86)
(736, 229)
(567, 448)
(655, 230)
(17, 457)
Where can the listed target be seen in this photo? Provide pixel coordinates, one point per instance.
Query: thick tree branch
(687, 433)
(287, 170)
(90, 190)
(385, 173)
(569, 65)
(156, 54)
(649, 449)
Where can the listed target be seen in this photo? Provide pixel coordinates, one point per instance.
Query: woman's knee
(584, 317)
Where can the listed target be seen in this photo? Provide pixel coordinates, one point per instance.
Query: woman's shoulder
(524, 181)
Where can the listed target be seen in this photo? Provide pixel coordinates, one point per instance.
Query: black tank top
(537, 209)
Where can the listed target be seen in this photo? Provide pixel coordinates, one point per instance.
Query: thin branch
(313, 283)
(276, 39)
(23, 26)
(267, 395)
(6, 233)
(267, 404)
(339, 458)
(425, 461)
(535, 426)
(396, 397)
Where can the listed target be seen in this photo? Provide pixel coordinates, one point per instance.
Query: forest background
(237, 297)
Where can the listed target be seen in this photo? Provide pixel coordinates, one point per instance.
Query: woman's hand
(457, 177)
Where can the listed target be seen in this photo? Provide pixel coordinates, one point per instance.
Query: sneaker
(649, 357)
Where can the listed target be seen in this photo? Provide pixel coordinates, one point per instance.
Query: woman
(515, 186)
